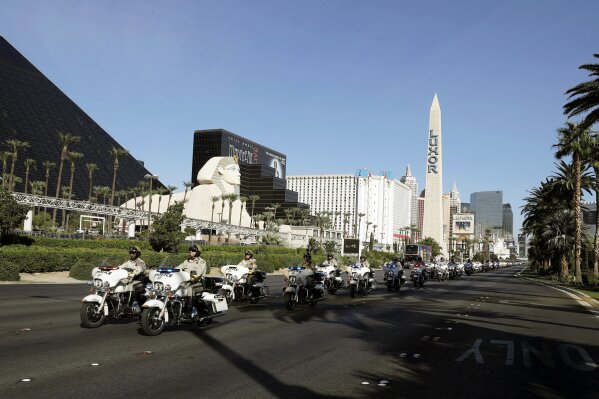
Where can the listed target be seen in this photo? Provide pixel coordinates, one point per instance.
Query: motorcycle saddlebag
(215, 303)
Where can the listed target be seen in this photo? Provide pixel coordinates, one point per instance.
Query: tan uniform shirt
(195, 267)
(332, 262)
(134, 267)
(249, 263)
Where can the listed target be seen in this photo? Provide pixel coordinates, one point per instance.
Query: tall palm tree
(4, 155)
(187, 185)
(48, 166)
(66, 140)
(170, 194)
(253, 198)
(346, 216)
(223, 198)
(73, 157)
(213, 199)
(243, 200)
(116, 154)
(289, 213)
(91, 168)
(585, 97)
(15, 146)
(37, 188)
(231, 198)
(594, 162)
(29, 163)
(360, 216)
(160, 191)
(274, 207)
(574, 140)
(558, 233)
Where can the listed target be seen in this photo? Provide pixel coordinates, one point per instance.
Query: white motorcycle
(393, 276)
(302, 285)
(333, 280)
(241, 285)
(361, 280)
(110, 296)
(168, 303)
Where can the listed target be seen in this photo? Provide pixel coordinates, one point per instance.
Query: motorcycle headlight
(106, 284)
(159, 287)
(292, 279)
(167, 287)
(149, 286)
(97, 283)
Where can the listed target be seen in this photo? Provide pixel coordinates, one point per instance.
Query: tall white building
(385, 203)
(411, 182)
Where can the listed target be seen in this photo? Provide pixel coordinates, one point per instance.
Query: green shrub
(9, 271)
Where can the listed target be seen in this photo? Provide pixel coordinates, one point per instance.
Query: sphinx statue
(219, 176)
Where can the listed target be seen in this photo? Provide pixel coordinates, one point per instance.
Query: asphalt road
(491, 335)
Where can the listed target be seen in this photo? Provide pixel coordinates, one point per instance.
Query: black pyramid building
(34, 110)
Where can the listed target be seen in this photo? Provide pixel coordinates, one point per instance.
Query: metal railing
(132, 214)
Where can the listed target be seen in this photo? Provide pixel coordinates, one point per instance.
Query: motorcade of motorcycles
(242, 285)
(418, 275)
(453, 271)
(393, 276)
(303, 286)
(167, 302)
(110, 296)
(361, 280)
(332, 279)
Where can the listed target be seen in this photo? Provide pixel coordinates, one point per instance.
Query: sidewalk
(591, 301)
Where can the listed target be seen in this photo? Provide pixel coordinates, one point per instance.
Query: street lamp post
(152, 178)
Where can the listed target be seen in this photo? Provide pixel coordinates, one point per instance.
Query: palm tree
(243, 200)
(73, 157)
(223, 198)
(253, 198)
(97, 190)
(116, 153)
(29, 163)
(558, 233)
(586, 97)
(91, 168)
(213, 199)
(289, 213)
(170, 194)
(360, 216)
(574, 141)
(594, 162)
(160, 191)
(15, 146)
(346, 216)
(4, 155)
(48, 165)
(231, 198)
(187, 185)
(66, 139)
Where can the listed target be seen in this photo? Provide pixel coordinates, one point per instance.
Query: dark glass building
(263, 170)
(508, 221)
(34, 110)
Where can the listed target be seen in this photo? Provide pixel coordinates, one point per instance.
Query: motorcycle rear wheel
(151, 323)
(289, 301)
(227, 294)
(91, 315)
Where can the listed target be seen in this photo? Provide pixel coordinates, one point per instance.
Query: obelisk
(432, 225)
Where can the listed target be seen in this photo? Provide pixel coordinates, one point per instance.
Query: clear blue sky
(335, 85)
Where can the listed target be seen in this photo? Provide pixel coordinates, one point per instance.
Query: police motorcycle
(332, 279)
(241, 285)
(453, 271)
(393, 276)
(296, 288)
(468, 268)
(168, 305)
(361, 280)
(418, 275)
(110, 296)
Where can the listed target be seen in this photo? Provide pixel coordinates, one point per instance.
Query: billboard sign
(351, 246)
(463, 223)
(251, 153)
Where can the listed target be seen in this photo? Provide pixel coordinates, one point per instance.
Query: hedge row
(9, 271)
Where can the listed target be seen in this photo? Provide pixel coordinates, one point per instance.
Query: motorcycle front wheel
(389, 286)
(353, 290)
(91, 315)
(290, 301)
(151, 322)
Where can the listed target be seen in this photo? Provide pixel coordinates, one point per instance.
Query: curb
(581, 295)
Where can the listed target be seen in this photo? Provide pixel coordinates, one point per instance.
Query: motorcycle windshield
(111, 262)
(168, 263)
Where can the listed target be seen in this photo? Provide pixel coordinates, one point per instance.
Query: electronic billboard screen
(251, 153)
